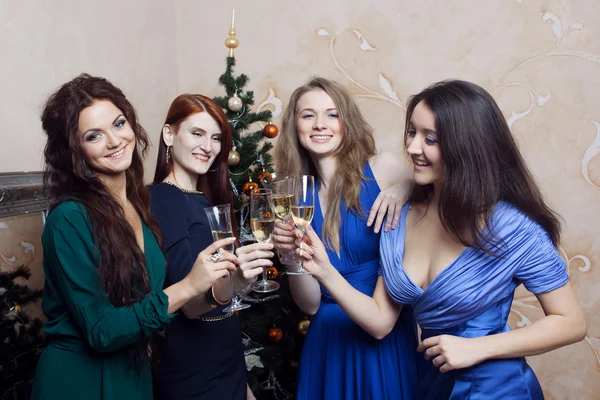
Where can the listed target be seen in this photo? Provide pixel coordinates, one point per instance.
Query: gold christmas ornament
(18, 308)
(303, 326)
(270, 130)
(232, 42)
(234, 103)
(233, 158)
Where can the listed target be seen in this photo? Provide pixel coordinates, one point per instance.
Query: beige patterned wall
(539, 58)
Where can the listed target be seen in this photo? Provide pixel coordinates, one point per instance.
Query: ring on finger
(215, 257)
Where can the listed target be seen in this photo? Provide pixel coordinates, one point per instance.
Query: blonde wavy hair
(358, 145)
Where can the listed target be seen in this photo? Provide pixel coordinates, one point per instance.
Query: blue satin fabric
(472, 298)
(339, 359)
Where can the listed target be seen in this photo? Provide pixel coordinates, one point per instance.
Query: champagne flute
(283, 195)
(262, 222)
(303, 209)
(219, 218)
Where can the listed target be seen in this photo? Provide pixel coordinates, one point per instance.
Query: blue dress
(339, 359)
(202, 359)
(472, 298)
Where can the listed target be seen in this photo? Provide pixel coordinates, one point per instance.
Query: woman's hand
(311, 248)
(209, 267)
(389, 202)
(252, 259)
(249, 394)
(284, 237)
(453, 352)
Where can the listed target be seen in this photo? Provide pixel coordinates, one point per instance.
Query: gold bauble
(232, 42)
(233, 158)
(303, 326)
(18, 308)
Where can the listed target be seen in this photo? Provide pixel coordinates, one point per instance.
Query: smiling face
(318, 124)
(107, 139)
(196, 144)
(422, 146)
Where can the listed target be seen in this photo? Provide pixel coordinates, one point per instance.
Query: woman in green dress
(104, 266)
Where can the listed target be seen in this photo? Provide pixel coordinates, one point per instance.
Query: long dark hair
(121, 265)
(215, 183)
(482, 164)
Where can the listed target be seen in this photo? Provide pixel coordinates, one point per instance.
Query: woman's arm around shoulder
(394, 177)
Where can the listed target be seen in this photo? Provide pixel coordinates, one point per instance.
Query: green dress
(85, 357)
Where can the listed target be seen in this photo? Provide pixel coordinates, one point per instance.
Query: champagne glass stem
(234, 297)
(301, 269)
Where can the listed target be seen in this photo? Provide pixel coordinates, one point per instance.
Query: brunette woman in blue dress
(475, 227)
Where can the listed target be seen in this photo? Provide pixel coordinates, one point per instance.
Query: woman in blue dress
(325, 135)
(203, 356)
(475, 228)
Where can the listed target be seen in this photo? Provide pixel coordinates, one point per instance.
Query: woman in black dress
(203, 356)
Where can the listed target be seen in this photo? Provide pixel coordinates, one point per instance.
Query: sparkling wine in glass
(303, 209)
(219, 218)
(262, 222)
(283, 198)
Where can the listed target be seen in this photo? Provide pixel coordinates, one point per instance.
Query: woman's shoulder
(66, 210)
(508, 221)
(164, 190)
(70, 216)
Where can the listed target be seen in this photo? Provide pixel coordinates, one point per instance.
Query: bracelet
(219, 302)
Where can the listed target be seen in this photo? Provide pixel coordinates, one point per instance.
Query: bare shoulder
(390, 168)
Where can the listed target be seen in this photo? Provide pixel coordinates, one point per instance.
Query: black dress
(201, 359)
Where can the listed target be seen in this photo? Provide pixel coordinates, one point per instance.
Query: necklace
(182, 189)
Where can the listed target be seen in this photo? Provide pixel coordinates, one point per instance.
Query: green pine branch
(252, 145)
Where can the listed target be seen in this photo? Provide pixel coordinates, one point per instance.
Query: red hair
(215, 183)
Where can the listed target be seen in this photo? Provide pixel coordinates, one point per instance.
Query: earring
(168, 154)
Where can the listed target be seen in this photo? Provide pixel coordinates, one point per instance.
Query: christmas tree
(273, 328)
(22, 341)
(249, 160)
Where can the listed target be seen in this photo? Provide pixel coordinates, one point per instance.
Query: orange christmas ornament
(272, 273)
(264, 176)
(275, 334)
(249, 186)
(270, 130)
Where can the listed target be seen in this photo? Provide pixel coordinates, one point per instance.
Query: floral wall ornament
(561, 26)
(385, 85)
(590, 153)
